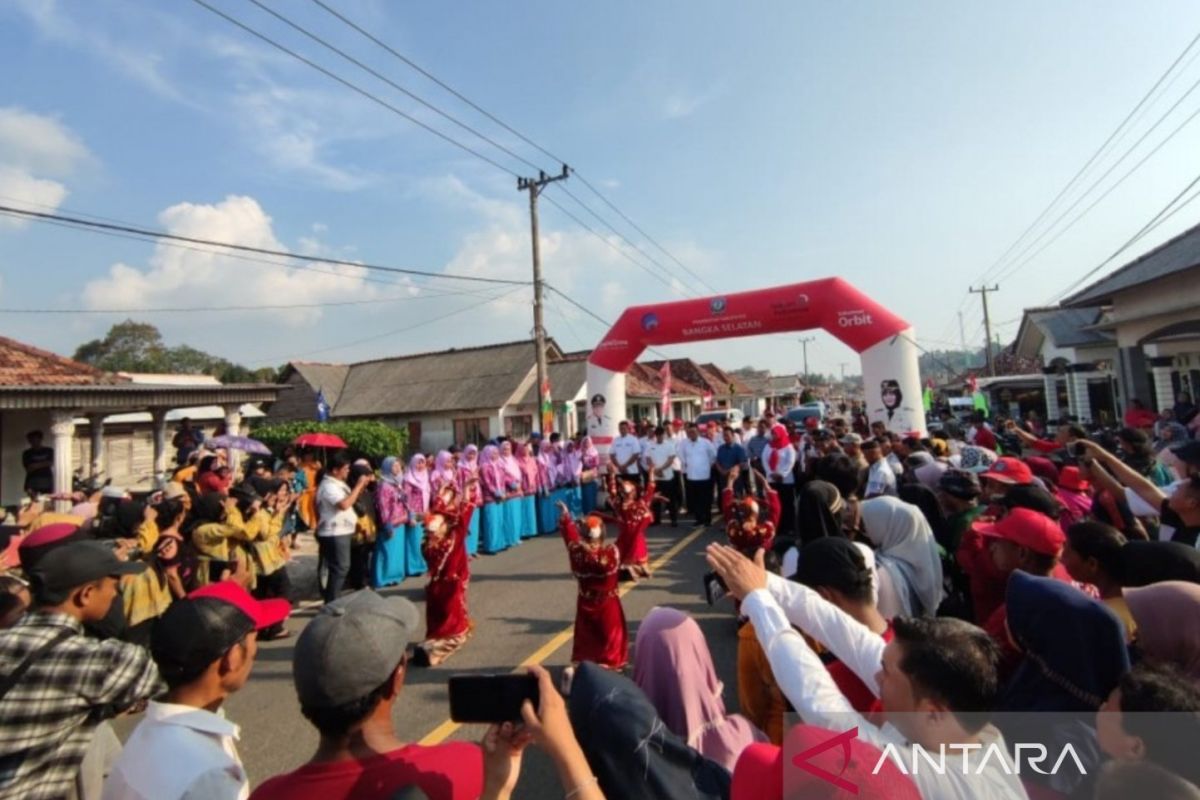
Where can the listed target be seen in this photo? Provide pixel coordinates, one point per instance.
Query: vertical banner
(892, 384)
(547, 409)
(665, 373)
(606, 405)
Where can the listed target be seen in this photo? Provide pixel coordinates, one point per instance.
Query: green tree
(375, 440)
(138, 347)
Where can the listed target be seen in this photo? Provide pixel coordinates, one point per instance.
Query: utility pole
(804, 340)
(842, 364)
(535, 186)
(962, 334)
(987, 325)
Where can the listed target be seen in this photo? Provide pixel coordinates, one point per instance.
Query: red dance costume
(747, 532)
(600, 633)
(447, 623)
(633, 516)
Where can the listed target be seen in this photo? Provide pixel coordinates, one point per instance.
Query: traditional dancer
(447, 624)
(600, 632)
(633, 515)
(744, 523)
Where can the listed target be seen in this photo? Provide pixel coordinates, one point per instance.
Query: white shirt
(663, 454)
(881, 479)
(624, 448)
(895, 463)
(333, 520)
(179, 753)
(809, 687)
(698, 458)
(784, 471)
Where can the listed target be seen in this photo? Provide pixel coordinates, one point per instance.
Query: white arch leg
(894, 359)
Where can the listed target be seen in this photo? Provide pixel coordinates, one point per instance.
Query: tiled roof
(24, 365)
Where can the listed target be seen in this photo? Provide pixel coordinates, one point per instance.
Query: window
(518, 427)
(471, 431)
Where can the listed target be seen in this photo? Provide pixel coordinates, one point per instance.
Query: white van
(723, 416)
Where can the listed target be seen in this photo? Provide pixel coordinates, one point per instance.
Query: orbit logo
(854, 319)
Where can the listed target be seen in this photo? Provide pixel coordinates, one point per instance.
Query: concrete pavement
(523, 603)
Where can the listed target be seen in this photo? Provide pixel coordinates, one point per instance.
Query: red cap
(812, 423)
(1027, 528)
(676, 423)
(33, 546)
(265, 613)
(764, 771)
(1070, 480)
(1012, 471)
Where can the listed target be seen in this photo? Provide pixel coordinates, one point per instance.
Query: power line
(385, 334)
(1019, 265)
(91, 224)
(596, 316)
(354, 87)
(1158, 219)
(510, 129)
(1091, 160)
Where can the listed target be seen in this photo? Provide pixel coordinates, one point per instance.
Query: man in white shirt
(936, 680)
(337, 521)
(698, 455)
(661, 462)
(881, 478)
(625, 453)
(184, 748)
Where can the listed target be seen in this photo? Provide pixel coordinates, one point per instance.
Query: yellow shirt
(53, 518)
(1121, 609)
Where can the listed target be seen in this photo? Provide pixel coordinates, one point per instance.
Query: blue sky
(900, 146)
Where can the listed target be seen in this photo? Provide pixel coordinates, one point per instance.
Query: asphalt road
(523, 603)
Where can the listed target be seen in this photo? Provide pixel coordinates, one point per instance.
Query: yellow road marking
(448, 727)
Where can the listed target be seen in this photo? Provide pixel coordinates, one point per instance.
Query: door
(414, 436)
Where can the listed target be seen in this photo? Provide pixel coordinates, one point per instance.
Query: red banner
(832, 304)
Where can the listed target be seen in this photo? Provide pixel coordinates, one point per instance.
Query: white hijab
(907, 554)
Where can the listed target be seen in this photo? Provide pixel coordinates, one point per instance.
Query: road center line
(448, 727)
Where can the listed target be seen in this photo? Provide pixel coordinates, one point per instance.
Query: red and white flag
(665, 374)
(708, 401)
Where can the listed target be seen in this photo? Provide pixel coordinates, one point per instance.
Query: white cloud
(38, 144)
(26, 190)
(182, 277)
(684, 103)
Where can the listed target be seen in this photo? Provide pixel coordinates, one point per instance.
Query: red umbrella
(319, 440)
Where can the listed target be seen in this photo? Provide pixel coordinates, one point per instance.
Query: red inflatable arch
(883, 340)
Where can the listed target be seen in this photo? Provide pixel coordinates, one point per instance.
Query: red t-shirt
(451, 771)
(985, 438)
(852, 686)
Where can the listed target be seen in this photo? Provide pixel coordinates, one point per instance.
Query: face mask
(594, 533)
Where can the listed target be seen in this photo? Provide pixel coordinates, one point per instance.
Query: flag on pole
(665, 374)
(322, 407)
(708, 401)
(927, 398)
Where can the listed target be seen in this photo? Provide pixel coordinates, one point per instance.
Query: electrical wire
(510, 129)
(92, 224)
(263, 307)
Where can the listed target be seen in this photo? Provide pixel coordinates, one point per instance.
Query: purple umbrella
(243, 443)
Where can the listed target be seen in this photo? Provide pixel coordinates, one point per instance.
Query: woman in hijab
(1075, 495)
(590, 476)
(633, 754)
(1168, 619)
(443, 473)
(673, 666)
(418, 492)
(511, 473)
(779, 459)
(925, 499)
(910, 571)
(1073, 655)
(470, 484)
(389, 565)
(531, 491)
(493, 534)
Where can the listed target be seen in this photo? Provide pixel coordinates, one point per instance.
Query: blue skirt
(529, 526)
(589, 493)
(473, 532)
(388, 566)
(492, 538)
(573, 497)
(512, 520)
(414, 535)
(547, 514)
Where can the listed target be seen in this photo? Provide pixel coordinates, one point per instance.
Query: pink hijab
(530, 472)
(509, 466)
(571, 467)
(417, 486)
(468, 468)
(491, 473)
(591, 456)
(1168, 623)
(443, 473)
(673, 666)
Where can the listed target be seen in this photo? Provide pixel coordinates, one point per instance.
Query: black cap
(1188, 453)
(834, 562)
(76, 564)
(961, 484)
(193, 633)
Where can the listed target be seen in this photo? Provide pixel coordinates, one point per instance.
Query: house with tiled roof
(47, 392)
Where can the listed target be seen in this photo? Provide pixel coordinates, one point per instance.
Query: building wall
(297, 403)
(1171, 300)
(13, 427)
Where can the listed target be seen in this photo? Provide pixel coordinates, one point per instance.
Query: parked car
(724, 416)
(800, 413)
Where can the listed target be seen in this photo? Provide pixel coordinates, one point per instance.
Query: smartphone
(491, 698)
(714, 588)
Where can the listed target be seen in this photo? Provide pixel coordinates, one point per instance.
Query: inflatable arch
(884, 342)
